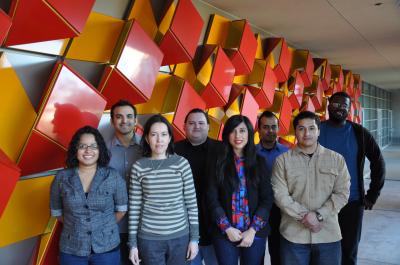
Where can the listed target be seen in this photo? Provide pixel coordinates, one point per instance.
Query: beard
(337, 118)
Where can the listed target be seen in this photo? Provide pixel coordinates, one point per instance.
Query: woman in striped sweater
(163, 222)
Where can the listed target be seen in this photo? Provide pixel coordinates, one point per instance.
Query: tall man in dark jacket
(201, 152)
(355, 143)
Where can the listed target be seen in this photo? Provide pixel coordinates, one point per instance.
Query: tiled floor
(380, 241)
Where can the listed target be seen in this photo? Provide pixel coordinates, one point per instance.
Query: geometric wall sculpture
(41, 154)
(48, 249)
(323, 71)
(135, 72)
(262, 82)
(179, 100)
(348, 82)
(9, 174)
(357, 87)
(27, 212)
(337, 79)
(278, 54)
(180, 31)
(70, 103)
(41, 20)
(98, 39)
(296, 89)
(143, 13)
(5, 24)
(283, 108)
(241, 46)
(303, 62)
(214, 79)
(17, 114)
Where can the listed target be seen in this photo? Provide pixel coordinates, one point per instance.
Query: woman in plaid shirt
(240, 197)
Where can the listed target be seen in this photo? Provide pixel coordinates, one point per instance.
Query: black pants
(350, 221)
(274, 237)
(124, 249)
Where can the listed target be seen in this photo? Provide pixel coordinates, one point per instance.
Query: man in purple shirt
(270, 149)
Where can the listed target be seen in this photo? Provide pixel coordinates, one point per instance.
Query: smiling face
(123, 120)
(338, 109)
(158, 140)
(238, 138)
(307, 133)
(87, 150)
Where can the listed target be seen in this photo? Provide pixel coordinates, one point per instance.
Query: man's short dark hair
(340, 94)
(197, 110)
(122, 103)
(306, 115)
(266, 114)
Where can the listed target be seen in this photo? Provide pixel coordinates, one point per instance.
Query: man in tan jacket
(311, 185)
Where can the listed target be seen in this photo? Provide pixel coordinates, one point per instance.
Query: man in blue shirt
(125, 150)
(354, 143)
(270, 149)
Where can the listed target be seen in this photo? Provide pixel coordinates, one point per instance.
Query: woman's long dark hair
(104, 154)
(226, 164)
(146, 130)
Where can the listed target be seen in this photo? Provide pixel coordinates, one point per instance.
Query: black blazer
(185, 149)
(260, 198)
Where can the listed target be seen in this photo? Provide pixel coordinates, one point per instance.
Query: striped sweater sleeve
(189, 196)
(135, 205)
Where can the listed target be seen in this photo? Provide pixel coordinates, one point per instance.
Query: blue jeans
(206, 253)
(228, 253)
(107, 258)
(163, 252)
(314, 254)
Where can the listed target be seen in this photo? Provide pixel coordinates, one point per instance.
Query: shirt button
(87, 219)
(89, 232)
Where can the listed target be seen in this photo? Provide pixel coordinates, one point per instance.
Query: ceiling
(358, 34)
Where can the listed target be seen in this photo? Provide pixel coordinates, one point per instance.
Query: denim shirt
(89, 223)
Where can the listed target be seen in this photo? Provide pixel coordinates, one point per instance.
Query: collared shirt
(88, 222)
(122, 159)
(302, 184)
(271, 155)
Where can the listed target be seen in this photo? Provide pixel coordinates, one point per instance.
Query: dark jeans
(163, 252)
(306, 254)
(274, 238)
(206, 254)
(107, 258)
(350, 221)
(124, 249)
(228, 253)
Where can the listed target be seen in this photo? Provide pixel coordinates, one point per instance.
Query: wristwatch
(319, 217)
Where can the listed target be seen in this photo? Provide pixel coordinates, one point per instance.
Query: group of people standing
(216, 202)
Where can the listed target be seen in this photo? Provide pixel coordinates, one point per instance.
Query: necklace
(154, 168)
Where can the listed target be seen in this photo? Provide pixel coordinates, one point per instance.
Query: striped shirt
(162, 200)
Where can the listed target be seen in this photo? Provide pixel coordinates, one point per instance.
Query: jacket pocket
(327, 178)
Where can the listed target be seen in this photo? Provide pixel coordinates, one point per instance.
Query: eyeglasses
(339, 105)
(90, 146)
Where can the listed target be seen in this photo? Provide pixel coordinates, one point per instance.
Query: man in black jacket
(201, 152)
(355, 143)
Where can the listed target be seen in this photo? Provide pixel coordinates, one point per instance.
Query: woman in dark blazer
(89, 198)
(240, 197)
